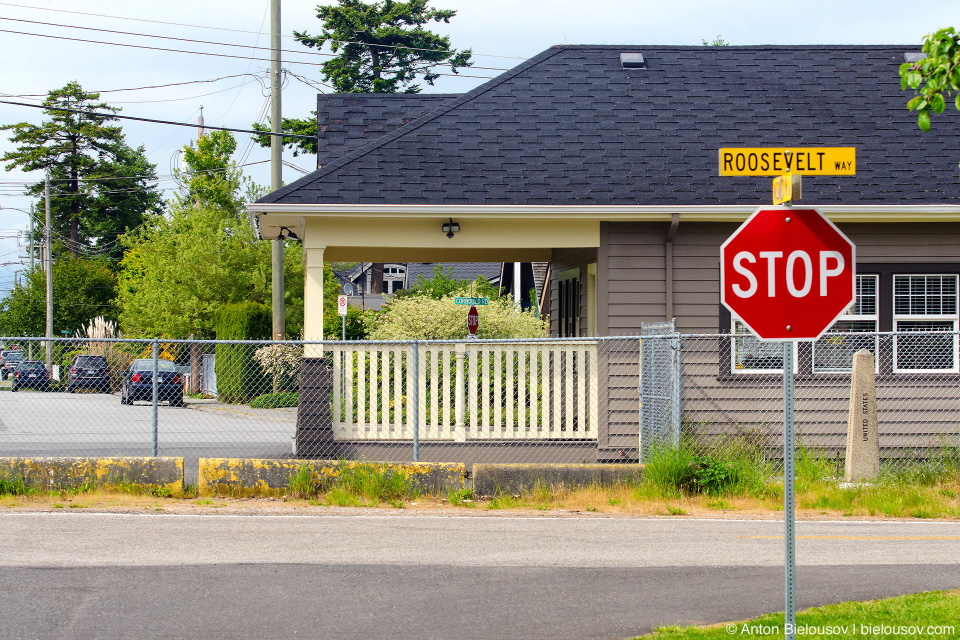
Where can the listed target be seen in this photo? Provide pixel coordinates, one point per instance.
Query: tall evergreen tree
(380, 47)
(100, 186)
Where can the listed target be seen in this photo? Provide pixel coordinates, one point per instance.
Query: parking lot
(34, 423)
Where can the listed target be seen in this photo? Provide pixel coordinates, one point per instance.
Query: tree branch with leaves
(935, 78)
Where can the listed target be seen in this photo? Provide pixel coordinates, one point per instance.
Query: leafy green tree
(356, 325)
(935, 78)
(211, 178)
(100, 186)
(83, 288)
(180, 270)
(443, 285)
(380, 47)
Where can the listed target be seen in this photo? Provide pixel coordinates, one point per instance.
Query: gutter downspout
(668, 254)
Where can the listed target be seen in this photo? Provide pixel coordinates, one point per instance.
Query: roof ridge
(388, 96)
(728, 47)
(411, 126)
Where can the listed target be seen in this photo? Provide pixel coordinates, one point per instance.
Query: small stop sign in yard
(788, 273)
(473, 321)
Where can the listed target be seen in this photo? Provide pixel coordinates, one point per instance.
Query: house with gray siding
(603, 162)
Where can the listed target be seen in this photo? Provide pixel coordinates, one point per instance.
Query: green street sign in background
(472, 302)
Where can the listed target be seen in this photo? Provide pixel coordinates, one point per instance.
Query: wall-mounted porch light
(450, 228)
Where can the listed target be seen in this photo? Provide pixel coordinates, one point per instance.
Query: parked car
(30, 374)
(138, 383)
(10, 362)
(89, 372)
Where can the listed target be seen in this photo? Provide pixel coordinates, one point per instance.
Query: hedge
(239, 377)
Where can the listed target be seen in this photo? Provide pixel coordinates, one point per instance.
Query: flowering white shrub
(280, 360)
(423, 318)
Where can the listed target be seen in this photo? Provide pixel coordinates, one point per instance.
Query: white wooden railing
(459, 391)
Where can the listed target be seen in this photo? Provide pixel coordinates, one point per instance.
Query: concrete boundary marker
(56, 473)
(495, 479)
(242, 477)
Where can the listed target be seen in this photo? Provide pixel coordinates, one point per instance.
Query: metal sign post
(789, 516)
(788, 274)
(342, 310)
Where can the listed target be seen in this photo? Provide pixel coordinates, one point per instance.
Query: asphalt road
(408, 575)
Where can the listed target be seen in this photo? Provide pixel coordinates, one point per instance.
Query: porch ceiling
(420, 238)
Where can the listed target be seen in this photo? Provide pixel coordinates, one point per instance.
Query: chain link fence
(549, 401)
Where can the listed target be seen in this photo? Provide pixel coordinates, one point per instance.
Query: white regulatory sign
(342, 305)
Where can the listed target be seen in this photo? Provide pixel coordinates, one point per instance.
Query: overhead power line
(198, 53)
(152, 86)
(156, 178)
(170, 122)
(198, 26)
(195, 41)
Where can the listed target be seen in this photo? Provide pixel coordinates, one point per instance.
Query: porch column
(313, 293)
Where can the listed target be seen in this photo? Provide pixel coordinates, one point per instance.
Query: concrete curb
(495, 479)
(240, 477)
(53, 474)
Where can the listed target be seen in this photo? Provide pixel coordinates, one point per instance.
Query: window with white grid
(925, 305)
(834, 351)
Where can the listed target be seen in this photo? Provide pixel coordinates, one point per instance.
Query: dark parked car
(138, 383)
(30, 374)
(10, 363)
(89, 372)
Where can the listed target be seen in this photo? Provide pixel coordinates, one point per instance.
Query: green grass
(846, 620)
(456, 497)
(15, 487)
(302, 484)
(275, 400)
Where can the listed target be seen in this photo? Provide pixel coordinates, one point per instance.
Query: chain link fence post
(156, 366)
(416, 400)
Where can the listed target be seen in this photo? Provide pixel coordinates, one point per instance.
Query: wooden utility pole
(276, 168)
(48, 259)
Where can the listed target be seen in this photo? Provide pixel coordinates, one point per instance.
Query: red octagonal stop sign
(473, 320)
(788, 273)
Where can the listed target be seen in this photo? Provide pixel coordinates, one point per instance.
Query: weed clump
(14, 487)
(729, 470)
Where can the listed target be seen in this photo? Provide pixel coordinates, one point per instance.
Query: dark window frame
(568, 308)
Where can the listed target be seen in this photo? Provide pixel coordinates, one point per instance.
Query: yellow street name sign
(787, 188)
(775, 161)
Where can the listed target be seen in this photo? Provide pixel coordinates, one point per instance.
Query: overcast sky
(501, 33)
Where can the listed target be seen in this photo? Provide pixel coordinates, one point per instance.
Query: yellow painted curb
(244, 477)
(57, 473)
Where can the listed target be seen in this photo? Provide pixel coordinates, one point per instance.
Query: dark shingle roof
(570, 126)
(346, 121)
(461, 270)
